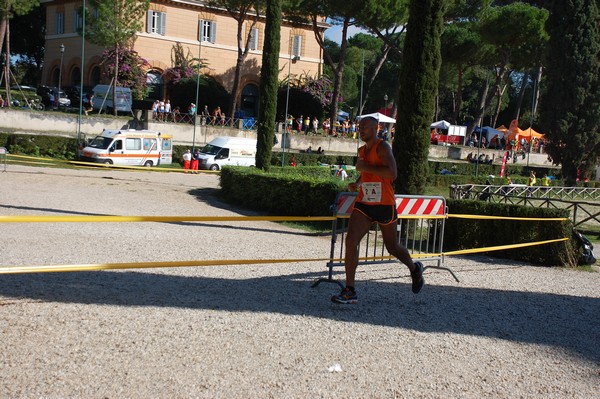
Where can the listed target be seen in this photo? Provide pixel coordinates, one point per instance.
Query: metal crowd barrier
(421, 224)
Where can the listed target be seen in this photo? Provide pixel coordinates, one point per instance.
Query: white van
(130, 147)
(103, 98)
(228, 151)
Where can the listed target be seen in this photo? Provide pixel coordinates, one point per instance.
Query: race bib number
(371, 192)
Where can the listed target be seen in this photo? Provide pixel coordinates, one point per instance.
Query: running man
(375, 203)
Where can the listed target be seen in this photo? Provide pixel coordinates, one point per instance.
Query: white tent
(380, 117)
(444, 125)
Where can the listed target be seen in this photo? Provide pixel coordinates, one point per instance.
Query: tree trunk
(499, 92)
(517, 113)
(242, 54)
(8, 100)
(483, 103)
(538, 79)
(459, 87)
(338, 76)
(378, 64)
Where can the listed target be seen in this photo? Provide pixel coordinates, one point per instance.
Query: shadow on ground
(563, 321)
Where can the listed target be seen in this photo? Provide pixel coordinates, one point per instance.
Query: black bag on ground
(586, 248)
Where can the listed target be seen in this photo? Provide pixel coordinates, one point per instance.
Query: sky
(335, 32)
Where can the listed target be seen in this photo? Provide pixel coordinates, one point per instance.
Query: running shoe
(417, 278)
(347, 296)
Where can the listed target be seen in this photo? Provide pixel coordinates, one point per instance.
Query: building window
(60, 23)
(95, 76)
(77, 21)
(254, 39)
(155, 85)
(297, 45)
(157, 22)
(208, 31)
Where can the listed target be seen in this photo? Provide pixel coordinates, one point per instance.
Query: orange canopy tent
(529, 132)
(516, 133)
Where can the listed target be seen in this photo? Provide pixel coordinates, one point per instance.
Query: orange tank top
(374, 189)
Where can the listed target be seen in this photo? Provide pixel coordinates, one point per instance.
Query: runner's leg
(389, 232)
(358, 226)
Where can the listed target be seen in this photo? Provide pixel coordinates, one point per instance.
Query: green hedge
(280, 193)
(479, 233)
(39, 146)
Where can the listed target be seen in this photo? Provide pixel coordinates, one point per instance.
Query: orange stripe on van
(129, 155)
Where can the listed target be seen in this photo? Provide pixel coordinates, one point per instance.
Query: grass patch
(316, 228)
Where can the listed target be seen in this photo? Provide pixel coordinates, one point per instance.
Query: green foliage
(115, 23)
(314, 159)
(132, 70)
(569, 108)
(183, 66)
(27, 40)
(268, 85)
(278, 193)
(480, 233)
(418, 88)
(39, 146)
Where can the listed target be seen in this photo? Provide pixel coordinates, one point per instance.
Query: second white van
(103, 98)
(223, 151)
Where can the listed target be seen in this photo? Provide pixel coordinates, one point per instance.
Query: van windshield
(210, 149)
(101, 142)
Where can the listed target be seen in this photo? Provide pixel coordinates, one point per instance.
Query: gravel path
(506, 330)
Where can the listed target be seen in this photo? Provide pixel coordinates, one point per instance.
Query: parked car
(73, 94)
(48, 95)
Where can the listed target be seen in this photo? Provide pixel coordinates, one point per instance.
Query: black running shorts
(382, 214)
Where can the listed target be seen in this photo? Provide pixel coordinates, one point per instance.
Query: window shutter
(213, 32)
(200, 30)
(149, 21)
(75, 21)
(60, 23)
(163, 23)
(254, 39)
(297, 47)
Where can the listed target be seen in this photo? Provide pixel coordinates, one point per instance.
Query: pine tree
(570, 107)
(419, 77)
(269, 74)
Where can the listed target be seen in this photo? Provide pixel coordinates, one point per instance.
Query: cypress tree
(570, 107)
(419, 75)
(269, 74)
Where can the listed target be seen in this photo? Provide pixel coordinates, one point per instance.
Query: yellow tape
(23, 159)
(502, 247)
(504, 218)
(231, 262)
(164, 219)
(146, 265)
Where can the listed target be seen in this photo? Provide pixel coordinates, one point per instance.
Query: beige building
(200, 29)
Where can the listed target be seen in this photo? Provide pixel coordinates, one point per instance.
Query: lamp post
(81, 76)
(62, 53)
(287, 101)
